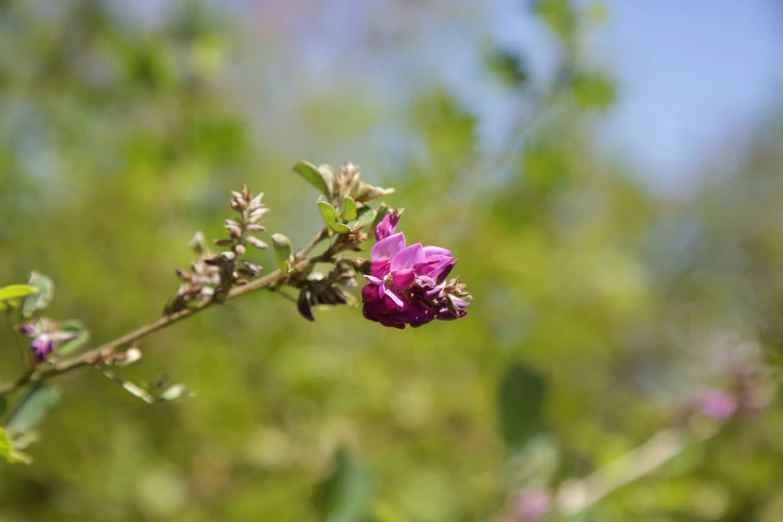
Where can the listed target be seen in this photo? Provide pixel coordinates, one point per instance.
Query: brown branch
(96, 355)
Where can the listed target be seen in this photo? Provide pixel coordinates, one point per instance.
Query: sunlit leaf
(340, 228)
(40, 299)
(10, 295)
(328, 212)
(364, 216)
(311, 174)
(81, 333)
(9, 453)
(559, 15)
(344, 496)
(521, 405)
(282, 247)
(33, 407)
(349, 209)
(593, 90)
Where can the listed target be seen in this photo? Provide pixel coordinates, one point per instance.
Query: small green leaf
(365, 215)
(311, 174)
(175, 392)
(329, 176)
(340, 228)
(32, 408)
(13, 293)
(593, 90)
(9, 453)
(559, 15)
(282, 246)
(344, 496)
(40, 299)
(521, 405)
(82, 336)
(349, 209)
(328, 212)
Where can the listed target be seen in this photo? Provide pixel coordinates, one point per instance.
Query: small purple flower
(387, 226)
(408, 283)
(46, 336)
(717, 404)
(532, 504)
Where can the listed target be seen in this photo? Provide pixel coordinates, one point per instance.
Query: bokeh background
(610, 175)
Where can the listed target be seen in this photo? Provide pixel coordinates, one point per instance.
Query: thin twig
(96, 355)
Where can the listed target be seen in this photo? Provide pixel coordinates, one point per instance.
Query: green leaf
(329, 176)
(282, 246)
(32, 408)
(521, 405)
(344, 496)
(597, 12)
(40, 299)
(349, 209)
(340, 228)
(593, 90)
(9, 453)
(328, 212)
(364, 217)
(509, 67)
(9, 295)
(175, 392)
(82, 336)
(312, 175)
(559, 15)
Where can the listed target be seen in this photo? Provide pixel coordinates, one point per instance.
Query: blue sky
(694, 74)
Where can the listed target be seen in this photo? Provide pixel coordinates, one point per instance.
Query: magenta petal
(29, 329)
(42, 346)
(408, 257)
(443, 271)
(395, 298)
(369, 293)
(436, 251)
(374, 280)
(386, 227)
(380, 267)
(388, 247)
(403, 278)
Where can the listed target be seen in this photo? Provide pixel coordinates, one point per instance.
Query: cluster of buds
(408, 283)
(347, 183)
(212, 275)
(329, 290)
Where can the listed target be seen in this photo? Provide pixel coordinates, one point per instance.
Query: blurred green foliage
(118, 142)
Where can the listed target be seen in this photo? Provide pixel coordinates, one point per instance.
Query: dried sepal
(212, 275)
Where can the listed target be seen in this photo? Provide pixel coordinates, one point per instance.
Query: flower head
(408, 283)
(46, 336)
(718, 404)
(532, 504)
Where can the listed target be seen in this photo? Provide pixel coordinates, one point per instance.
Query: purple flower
(717, 404)
(408, 283)
(46, 336)
(387, 226)
(532, 504)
